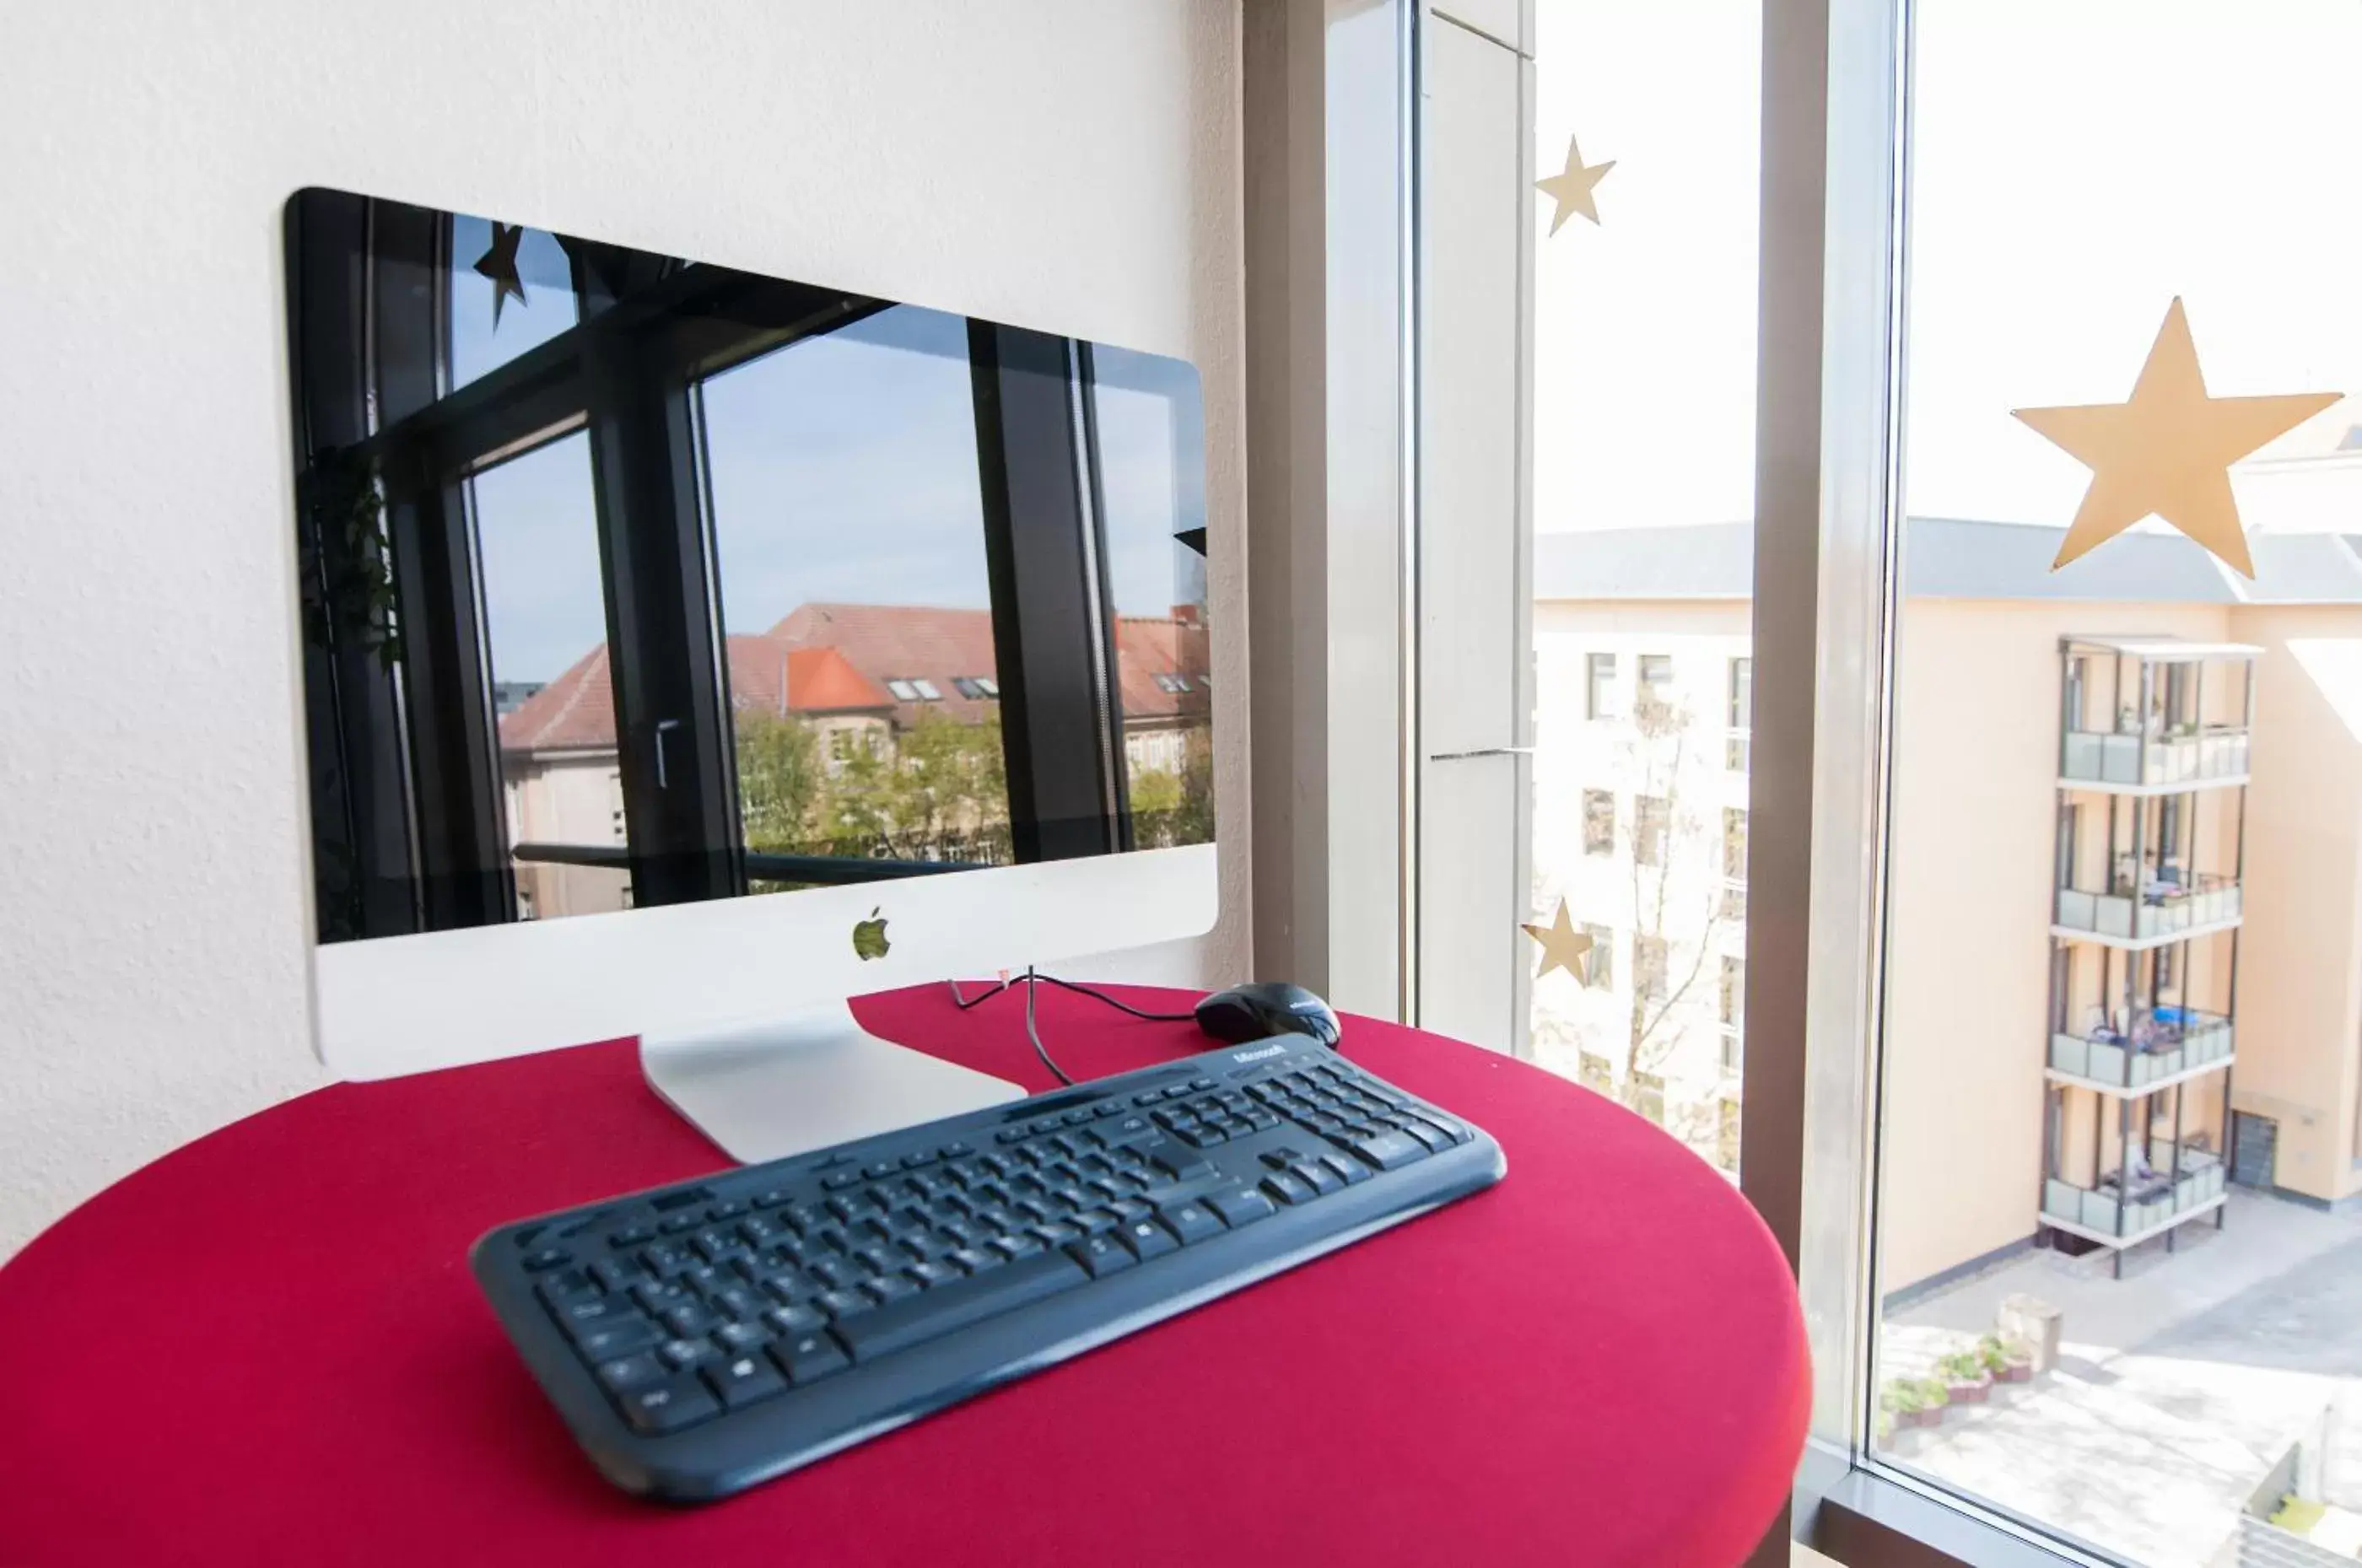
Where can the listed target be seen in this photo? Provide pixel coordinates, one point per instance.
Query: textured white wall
(1066, 164)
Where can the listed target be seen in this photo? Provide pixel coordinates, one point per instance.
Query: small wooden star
(500, 265)
(2168, 449)
(1563, 946)
(1571, 186)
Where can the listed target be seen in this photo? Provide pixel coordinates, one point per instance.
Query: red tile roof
(837, 658)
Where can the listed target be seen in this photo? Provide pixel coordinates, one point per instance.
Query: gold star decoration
(2168, 449)
(1563, 946)
(500, 265)
(1571, 187)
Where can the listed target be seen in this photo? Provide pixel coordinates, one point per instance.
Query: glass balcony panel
(2120, 759)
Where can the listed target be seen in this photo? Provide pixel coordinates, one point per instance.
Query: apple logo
(869, 938)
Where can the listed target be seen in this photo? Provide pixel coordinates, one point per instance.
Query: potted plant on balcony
(1965, 1381)
(1912, 1401)
(2007, 1361)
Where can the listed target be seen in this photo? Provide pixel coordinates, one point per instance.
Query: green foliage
(1169, 808)
(1997, 1354)
(1155, 792)
(1933, 1393)
(942, 780)
(1961, 1367)
(781, 779)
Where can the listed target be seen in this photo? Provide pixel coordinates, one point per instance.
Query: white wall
(1066, 164)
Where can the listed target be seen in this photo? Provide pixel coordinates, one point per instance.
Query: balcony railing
(2163, 910)
(2169, 1043)
(2152, 1203)
(2138, 759)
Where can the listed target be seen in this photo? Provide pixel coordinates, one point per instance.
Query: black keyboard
(702, 1337)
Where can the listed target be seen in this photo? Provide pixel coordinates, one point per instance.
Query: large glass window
(2118, 1263)
(545, 607)
(1643, 489)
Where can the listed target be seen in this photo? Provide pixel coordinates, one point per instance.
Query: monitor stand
(803, 1082)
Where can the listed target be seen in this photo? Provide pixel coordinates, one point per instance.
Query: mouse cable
(1032, 979)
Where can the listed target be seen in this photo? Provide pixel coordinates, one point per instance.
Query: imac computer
(686, 650)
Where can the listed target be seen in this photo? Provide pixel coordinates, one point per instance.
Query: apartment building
(2008, 868)
(857, 676)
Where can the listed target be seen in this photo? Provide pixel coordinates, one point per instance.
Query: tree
(780, 782)
(1169, 807)
(942, 780)
(1673, 833)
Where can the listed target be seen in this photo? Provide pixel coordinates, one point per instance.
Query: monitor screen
(629, 580)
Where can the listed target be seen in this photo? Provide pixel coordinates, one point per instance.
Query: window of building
(1600, 686)
(1599, 959)
(988, 685)
(1734, 843)
(1726, 1134)
(1651, 976)
(1739, 715)
(1649, 1096)
(903, 690)
(1653, 822)
(1657, 680)
(928, 691)
(1733, 999)
(1598, 822)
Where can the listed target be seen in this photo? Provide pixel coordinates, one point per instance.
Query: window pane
(511, 289)
(546, 628)
(1643, 492)
(849, 539)
(2119, 1256)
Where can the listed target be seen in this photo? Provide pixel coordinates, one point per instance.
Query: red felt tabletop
(265, 1348)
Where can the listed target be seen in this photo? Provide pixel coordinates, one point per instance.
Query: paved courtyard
(2179, 1388)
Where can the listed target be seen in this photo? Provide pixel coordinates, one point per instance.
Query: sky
(2077, 164)
(842, 468)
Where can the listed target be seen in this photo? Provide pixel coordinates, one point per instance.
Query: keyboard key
(725, 1212)
(879, 1171)
(956, 1305)
(808, 1357)
(1103, 1255)
(1094, 1222)
(841, 1303)
(614, 1337)
(797, 1318)
(1281, 1188)
(619, 1273)
(690, 1319)
(1435, 1138)
(837, 1181)
(1190, 1222)
(1147, 1239)
(1319, 1178)
(679, 1223)
(1241, 1206)
(1109, 1107)
(740, 1339)
(976, 1260)
(740, 1380)
(625, 1373)
(955, 1151)
(773, 1199)
(1348, 1169)
(890, 1287)
(589, 1312)
(635, 1236)
(1057, 1234)
(933, 1274)
(1390, 1150)
(668, 1406)
(1178, 1160)
(680, 1354)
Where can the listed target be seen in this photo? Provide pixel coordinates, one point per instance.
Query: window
(1599, 688)
(1598, 822)
(1599, 959)
(1739, 714)
(1656, 680)
(544, 612)
(903, 690)
(2110, 704)
(1652, 819)
(1649, 1096)
(928, 691)
(1734, 991)
(1734, 843)
(1726, 1134)
(1649, 967)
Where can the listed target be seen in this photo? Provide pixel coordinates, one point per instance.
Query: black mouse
(1265, 1008)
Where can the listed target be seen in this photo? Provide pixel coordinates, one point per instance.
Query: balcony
(2171, 1044)
(2166, 911)
(2155, 1203)
(2191, 760)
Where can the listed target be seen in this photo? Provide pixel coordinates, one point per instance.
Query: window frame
(1599, 688)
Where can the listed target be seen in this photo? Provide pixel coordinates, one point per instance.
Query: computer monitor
(687, 650)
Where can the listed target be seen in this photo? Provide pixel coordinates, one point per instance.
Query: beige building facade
(1974, 859)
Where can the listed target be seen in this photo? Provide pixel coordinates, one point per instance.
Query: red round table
(265, 1348)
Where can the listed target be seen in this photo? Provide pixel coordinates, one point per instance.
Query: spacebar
(916, 1318)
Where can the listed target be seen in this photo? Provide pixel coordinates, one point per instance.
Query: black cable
(1033, 985)
(1033, 979)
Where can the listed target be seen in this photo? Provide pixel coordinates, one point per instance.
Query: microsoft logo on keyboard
(1265, 1055)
